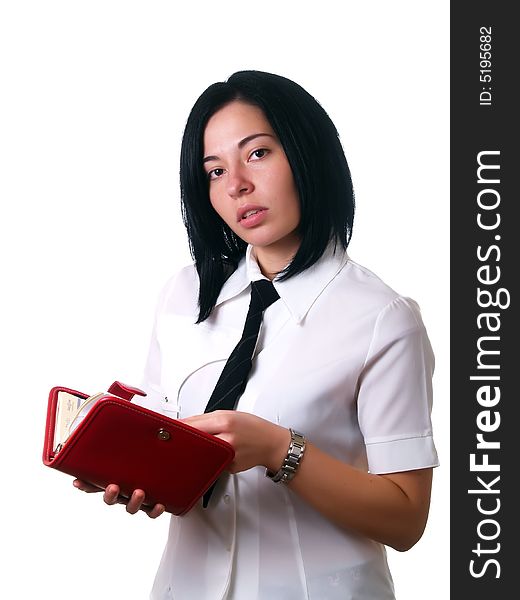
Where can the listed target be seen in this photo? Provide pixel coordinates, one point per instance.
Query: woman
(341, 374)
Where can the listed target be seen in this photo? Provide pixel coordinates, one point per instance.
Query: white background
(93, 103)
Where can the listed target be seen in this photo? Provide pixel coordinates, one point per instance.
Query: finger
(213, 422)
(197, 421)
(86, 487)
(135, 502)
(111, 494)
(156, 511)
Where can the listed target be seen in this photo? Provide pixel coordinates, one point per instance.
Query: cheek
(224, 210)
(215, 202)
(282, 180)
(293, 200)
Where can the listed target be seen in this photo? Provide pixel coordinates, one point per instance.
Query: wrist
(279, 441)
(291, 461)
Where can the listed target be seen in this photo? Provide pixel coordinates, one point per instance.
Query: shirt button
(227, 498)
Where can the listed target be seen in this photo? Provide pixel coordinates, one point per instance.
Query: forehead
(233, 122)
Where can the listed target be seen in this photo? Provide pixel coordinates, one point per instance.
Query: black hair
(317, 160)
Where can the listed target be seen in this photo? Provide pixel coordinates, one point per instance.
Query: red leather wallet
(129, 445)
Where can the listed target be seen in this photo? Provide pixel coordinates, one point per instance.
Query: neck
(274, 258)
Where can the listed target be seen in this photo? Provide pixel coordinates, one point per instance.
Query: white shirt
(341, 358)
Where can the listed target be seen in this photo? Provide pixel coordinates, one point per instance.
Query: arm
(391, 509)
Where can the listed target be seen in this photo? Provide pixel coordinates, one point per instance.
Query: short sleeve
(395, 392)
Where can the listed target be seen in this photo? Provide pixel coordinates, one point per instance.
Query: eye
(215, 173)
(258, 154)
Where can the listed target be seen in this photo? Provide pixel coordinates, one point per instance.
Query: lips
(248, 210)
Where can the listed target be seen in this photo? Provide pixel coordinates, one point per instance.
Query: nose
(239, 182)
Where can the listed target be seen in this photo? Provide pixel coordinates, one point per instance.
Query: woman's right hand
(111, 496)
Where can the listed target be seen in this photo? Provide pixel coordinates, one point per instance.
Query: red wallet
(129, 445)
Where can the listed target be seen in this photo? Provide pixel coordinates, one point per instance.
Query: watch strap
(292, 460)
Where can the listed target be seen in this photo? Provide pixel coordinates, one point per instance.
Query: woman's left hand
(256, 441)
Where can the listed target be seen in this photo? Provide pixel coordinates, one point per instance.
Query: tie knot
(263, 294)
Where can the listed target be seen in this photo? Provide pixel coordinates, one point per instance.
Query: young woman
(337, 404)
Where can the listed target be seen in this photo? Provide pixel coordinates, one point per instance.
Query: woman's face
(251, 185)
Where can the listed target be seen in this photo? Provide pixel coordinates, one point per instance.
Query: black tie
(233, 379)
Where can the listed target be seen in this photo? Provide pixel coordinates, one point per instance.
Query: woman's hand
(255, 440)
(111, 496)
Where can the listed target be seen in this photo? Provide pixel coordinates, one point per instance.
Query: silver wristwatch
(291, 462)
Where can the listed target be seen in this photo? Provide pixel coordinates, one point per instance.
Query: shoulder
(179, 293)
(377, 297)
(365, 281)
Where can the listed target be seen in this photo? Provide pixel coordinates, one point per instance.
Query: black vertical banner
(485, 245)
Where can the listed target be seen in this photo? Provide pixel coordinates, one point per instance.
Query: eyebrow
(241, 144)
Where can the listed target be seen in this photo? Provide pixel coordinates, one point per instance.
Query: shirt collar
(298, 292)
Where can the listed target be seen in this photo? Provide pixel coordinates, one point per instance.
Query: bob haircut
(319, 167)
